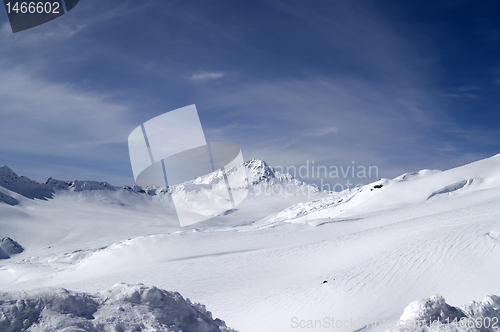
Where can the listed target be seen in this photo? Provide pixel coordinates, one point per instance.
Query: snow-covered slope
(404, 191)
(365, 253)
(121, 308)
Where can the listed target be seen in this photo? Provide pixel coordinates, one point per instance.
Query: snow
(434, 314)
(430, 310)
(379, 247)
(22, 185)
(403, 191)
(452, 187)
(121, 308)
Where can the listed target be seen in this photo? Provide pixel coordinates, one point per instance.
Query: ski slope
(277, 262)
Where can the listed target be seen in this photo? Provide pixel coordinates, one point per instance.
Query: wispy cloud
(468, 88)
(370, 91)
(51, 33)
(206, 76)
(6, 29)
(322, 132)
(459, 95)
(464, 91)
(371, 125)
(47, 118)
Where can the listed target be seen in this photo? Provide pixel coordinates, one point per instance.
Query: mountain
(261, 178)
(32, 189)
(279, 259)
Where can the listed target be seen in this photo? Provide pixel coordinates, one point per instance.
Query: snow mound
(122, 308)
(430, 310)
(299, 210)
(495, 235)
(416, 175)
(434, 314)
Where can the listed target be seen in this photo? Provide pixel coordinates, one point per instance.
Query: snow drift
(122, 308)
(434, 314)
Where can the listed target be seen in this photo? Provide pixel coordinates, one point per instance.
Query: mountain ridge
(261, 179)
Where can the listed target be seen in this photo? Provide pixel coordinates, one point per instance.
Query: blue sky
(402, 85)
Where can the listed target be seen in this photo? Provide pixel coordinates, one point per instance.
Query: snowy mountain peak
(21, 185)
(9, 177)
(79, 185)
(260, 170)
(6, 172)
(258, 173)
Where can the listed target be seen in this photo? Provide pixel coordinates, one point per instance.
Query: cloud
(41, 35)
(287, 122)
(322, 132)
(463, 91)
(206, 76)
(279, 102)
(336, 121)
(46, 118)
(6, 29)
(459, 95)
(469, 88)
(447, 148)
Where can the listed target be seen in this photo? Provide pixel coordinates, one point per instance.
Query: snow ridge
(122, 308)
(404, 190)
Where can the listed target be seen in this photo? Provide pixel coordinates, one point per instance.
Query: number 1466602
(33, 7)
